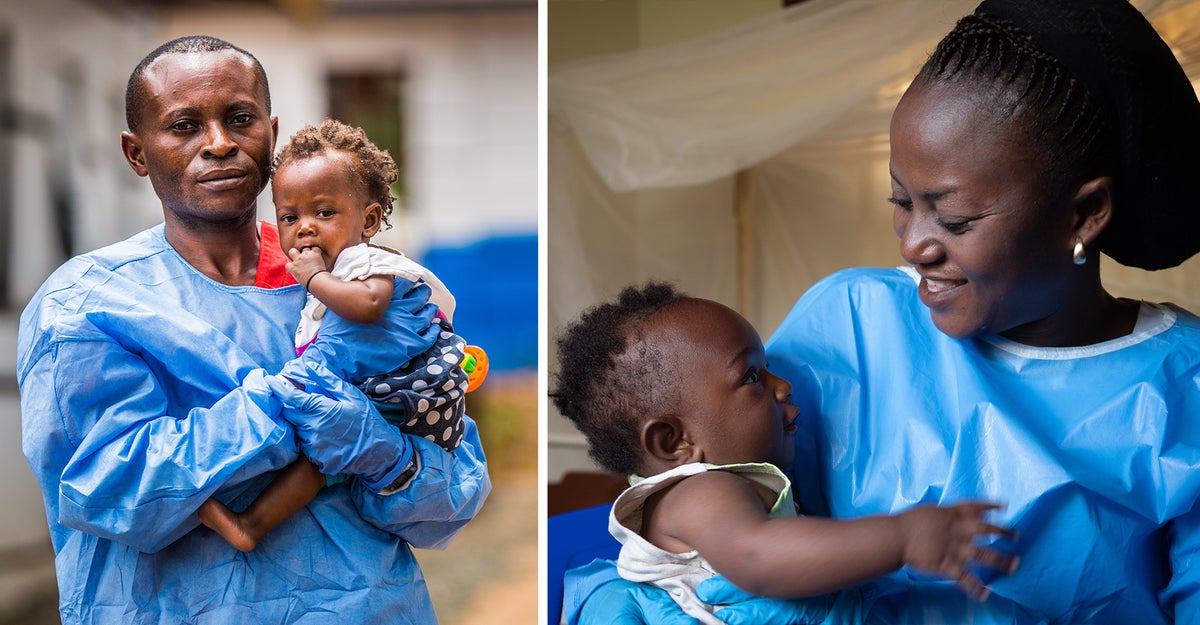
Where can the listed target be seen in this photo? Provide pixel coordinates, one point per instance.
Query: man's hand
(337, 426)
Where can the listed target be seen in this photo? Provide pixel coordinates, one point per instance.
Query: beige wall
(578, 29)
(582, 28)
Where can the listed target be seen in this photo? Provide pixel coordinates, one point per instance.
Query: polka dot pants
(425, 397)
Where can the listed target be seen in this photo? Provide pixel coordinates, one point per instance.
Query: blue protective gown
(142, 395)
(1095, 451)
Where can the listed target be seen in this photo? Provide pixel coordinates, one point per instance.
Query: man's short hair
(135, 89)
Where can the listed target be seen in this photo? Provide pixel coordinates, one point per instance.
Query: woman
(1039, 134)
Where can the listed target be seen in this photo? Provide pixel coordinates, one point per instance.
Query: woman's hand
(738, 607)
(621, 602)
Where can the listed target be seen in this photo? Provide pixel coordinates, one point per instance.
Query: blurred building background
(448, 86)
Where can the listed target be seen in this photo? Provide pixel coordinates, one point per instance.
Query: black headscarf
(1111, 48)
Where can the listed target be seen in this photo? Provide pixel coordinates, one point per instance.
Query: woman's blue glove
(356, 351)
(622, 602)
(594, 594)
(338, 427)
(743, 608)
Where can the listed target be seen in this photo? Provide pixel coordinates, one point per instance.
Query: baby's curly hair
(375, 170)
(604, 387)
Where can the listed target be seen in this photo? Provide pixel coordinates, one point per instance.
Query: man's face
(205, 137)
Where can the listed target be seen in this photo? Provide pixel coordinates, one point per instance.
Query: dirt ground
(489, 575)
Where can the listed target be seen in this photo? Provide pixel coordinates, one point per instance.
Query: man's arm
(446, 492)
(103, 441)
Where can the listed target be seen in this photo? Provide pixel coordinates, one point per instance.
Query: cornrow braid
(1061, 116)
(608, 380)
(375, 169)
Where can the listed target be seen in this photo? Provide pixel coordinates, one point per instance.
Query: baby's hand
(941, 541)
(305, 263)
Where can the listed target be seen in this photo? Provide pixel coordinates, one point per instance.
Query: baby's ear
(372, 219)
(666, 441)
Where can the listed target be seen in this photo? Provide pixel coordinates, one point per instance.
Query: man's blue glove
(338, 427)
(621, 601)
(743, 608)
(356, 351)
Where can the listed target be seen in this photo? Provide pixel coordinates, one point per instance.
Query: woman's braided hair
(605, 387)
(1031, 90)
(374, 169)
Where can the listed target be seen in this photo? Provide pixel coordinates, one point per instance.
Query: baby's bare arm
(941, 541)
(720, 515)
(360, 301)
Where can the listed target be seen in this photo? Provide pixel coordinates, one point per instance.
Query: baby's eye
(326, 212)
(751, 376)
(287, 219)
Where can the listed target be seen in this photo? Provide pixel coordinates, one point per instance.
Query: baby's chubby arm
(359, 301)
(720, 515)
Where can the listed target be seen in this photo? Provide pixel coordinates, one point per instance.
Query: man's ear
(666, 440)
(1092, 207)
(131, 147)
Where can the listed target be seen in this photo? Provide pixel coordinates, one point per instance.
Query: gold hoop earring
(1079, 255)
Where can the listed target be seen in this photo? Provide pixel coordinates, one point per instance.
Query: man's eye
(751, 376)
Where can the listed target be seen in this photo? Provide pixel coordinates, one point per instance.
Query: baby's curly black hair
(604, 387)
(376, 169)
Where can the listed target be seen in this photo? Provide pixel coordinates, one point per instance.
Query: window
(373, 102)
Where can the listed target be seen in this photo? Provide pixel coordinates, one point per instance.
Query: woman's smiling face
(973, 217)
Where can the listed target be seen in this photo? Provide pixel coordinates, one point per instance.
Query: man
(146, 387)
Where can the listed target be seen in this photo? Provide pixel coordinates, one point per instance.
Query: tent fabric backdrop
(650, 149)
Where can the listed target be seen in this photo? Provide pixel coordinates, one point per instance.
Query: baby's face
(318, 205)
(734, 409)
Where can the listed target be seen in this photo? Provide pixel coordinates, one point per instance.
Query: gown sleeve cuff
(405, 477)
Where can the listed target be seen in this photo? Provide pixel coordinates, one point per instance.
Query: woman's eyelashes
(951, 225)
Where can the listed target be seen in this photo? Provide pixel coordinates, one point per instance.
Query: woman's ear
(1092, 207)
(665, 440)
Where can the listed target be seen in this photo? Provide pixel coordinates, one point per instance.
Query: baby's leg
(426, 397)
(287, 494)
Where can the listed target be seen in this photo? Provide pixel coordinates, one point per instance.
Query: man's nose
(219, 143)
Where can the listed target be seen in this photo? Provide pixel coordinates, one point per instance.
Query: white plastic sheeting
(656, 157)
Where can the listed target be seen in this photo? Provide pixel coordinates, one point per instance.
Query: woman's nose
(919, 244)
